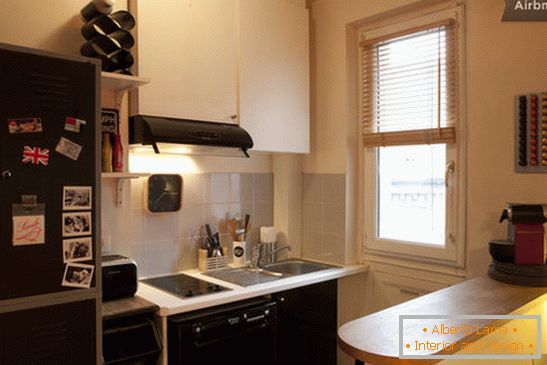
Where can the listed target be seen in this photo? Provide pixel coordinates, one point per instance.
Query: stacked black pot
(107, 36)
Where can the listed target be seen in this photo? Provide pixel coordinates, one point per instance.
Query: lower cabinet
(62, 334)
(296, 326)
(131, 340)
(307, 320)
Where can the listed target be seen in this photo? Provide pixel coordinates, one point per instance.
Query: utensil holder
(239, 253)
(210, 263)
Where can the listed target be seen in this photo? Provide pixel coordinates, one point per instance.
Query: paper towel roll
(268, 234)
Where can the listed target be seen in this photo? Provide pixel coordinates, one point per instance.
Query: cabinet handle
(233, 117)
(6, 174)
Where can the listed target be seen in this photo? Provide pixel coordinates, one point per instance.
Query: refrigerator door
(37, 95)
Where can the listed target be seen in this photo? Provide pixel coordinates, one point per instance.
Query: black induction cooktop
(184, 286)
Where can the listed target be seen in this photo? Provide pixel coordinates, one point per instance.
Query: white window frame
(453, 252)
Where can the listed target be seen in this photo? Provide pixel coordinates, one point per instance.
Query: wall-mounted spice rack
(531, 133)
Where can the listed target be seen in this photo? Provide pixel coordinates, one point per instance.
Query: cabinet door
(188, 50)
(393, 288)
(307, 319)
(274, 75)
(62, 334)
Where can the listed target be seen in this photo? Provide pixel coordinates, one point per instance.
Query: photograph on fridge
(78, 275)
(77, 249)
(76, 197)
(76, 224)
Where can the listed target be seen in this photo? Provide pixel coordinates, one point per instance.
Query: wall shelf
(119, 82)
(122, 175)
(121, 178)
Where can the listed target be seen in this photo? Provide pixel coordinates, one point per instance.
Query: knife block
(210, 263)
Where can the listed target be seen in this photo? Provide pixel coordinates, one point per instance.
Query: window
(410, 113)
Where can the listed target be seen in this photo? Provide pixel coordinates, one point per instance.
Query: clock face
(164, 193)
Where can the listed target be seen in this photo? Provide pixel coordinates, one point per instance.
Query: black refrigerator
(49, 208)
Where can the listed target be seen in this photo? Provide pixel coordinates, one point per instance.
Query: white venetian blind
(409, 86)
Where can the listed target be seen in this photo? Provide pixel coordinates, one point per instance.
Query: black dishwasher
(244, 333)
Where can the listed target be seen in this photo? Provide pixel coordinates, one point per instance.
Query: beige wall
(503, 59)
(50, 25)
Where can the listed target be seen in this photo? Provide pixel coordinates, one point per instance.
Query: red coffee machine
(526, 232)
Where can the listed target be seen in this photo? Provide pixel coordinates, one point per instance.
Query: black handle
(6, 174)
(208, 229)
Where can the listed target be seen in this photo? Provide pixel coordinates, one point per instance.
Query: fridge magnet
(29, 201)
(25, 125)
(35, 155)
(76, 197)
(77, 249)
(73, 124)
(109, 121)
(78, 275)
(76, 224)
(68, 148)
(28, 225)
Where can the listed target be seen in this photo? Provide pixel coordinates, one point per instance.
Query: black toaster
(120, 277)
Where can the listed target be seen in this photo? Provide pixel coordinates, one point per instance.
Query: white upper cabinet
(274, 75)
(243, 61)
(188, 50)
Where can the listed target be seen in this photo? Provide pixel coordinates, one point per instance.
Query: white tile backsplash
(194, 188)
(246, 187)
(137, 194)
(218, 189)
(189, 219)
(263, 187)
(312, 188)
(324, 217)
(312, 217)
(161, 257)
(334, 218)
(164, 242)
(159, 227)
(138, 225)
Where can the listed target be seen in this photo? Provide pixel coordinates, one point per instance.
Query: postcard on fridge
(29, 225)
(68, 148)
(25, 125)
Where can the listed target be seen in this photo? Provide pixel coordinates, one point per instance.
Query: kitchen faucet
(276, 251)
(264, 253)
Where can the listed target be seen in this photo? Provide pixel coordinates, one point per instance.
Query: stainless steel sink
(249, 276)
(296, 267)
(243, 276)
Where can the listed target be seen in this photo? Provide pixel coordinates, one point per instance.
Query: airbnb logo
(525, 10)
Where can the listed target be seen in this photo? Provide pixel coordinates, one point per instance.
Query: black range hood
(186, 136)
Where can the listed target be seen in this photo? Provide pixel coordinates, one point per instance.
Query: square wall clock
(163, 193)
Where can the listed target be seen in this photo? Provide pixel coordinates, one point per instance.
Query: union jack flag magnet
(35, 155)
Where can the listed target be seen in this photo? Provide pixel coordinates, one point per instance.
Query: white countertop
(170, 304)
